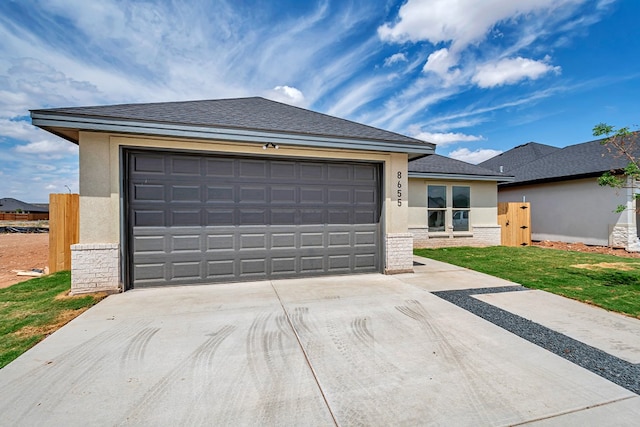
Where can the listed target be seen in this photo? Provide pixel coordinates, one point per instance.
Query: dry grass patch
(63, 318)
(622, 266)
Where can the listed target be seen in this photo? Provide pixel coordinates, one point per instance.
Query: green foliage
(623, 144)
(609, 180)
(576, 275)
(31, 310)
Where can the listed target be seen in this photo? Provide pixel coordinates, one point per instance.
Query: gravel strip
(616, 370)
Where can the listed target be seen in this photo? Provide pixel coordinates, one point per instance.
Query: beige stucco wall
(573, 211)
(484, 201)
(100, 177)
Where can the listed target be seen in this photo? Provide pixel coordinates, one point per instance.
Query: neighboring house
(567, 204)
(233, 190)
(14, 205)
(10, 205)
(453, 203)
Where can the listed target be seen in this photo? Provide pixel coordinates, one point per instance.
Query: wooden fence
(515, 221)
(64, 229)
(24, 216)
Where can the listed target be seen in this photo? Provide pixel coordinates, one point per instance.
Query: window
(448, 216)
(461, 204)
(437, 207)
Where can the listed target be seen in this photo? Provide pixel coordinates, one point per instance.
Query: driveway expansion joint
(306, 356)
(614, 369)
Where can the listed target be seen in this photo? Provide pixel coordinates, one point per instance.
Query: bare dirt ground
(581, 247)
(22, 251)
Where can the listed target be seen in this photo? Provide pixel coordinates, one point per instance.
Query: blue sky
(475, 77)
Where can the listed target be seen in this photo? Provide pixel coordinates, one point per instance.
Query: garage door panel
(340, 196)
(185, 218)
(339, 172)
(253, 168)
(220, 216)
(285, 265)
(186, 193)
(186, 270)
(364, 261)
(220, 167)
(252, 218)
(149, 193)
(312, 195)
(148, 218)
(150, 163)
(286, 170)
(312, 264)
(220, 194)
(185, 165)
(186, 243)
(220, 242)
(153, 272)
(340, 262)
(221, 270)
(340, 238)
(281, 194)
(253, 241)
(311, 171)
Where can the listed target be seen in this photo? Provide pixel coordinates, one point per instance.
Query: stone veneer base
(399, 253)
(95, 267)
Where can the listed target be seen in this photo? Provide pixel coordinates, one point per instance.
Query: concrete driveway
(351, 350)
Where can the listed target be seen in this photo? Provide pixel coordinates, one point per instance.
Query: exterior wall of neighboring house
(578, 211)
(101, 185)
(483, 215)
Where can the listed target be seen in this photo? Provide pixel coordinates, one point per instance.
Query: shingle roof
(11, 205)
(518, 156)
(254, 113)
(437, 164)
(574, 161)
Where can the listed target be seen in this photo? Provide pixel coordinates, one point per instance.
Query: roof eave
(555, 179)
(54, 123)
(460, 177)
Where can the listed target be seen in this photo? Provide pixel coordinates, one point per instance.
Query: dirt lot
(21, 252)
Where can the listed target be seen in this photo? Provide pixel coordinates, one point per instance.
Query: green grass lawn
(607, 281)
(31, 310)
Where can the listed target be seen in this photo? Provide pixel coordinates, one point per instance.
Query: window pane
(460, 220)
(436, 220)
(437, 196)
(461, 197)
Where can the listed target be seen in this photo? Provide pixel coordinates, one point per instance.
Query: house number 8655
(399, 194)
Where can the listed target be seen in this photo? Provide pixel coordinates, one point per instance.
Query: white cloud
(444, 139)
(474, 157)
(395, 58)
(49, 149)
(511, 70)
(287, 94)
(461, 22)
(440, 62)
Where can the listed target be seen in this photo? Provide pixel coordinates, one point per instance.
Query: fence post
(64, 229)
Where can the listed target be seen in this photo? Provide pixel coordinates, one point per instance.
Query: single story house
(567, 204)
(233, 190)
(11, 205)
(453, 203)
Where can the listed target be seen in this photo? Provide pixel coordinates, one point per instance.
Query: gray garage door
(203, 218)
